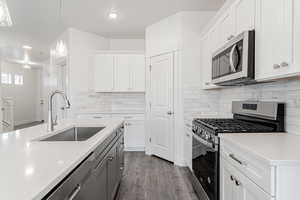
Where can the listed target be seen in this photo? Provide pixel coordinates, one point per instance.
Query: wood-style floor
(150, 178)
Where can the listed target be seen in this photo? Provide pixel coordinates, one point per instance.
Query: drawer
(251, 166)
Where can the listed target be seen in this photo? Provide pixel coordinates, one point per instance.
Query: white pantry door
(161, 101)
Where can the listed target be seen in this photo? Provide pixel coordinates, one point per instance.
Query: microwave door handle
(231, 58)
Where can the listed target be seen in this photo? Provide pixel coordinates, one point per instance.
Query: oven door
(206, 169)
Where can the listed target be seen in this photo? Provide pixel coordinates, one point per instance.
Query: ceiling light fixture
(27, 47)
(61, 47)
(113, 15)
(5, 19)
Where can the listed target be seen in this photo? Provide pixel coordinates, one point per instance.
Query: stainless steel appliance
(234, 63)
(248, 117)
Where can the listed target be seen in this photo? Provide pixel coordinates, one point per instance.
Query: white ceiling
(39, 19)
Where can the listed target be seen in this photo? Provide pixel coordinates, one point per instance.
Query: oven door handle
(213, 148)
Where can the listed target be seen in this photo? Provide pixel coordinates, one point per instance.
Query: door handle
(170, 113)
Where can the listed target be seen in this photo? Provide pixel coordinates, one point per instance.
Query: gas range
(248, 117)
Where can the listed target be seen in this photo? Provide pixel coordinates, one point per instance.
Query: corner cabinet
(121, 72)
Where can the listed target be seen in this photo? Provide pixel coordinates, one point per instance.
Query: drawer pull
(236, 159)
(276, 66)
(237, 183)
(110, 158)
(232, 178)
(284, 64)
(75, 192)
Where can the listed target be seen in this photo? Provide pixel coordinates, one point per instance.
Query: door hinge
(150, 105)
(150, 67)
(150, 140)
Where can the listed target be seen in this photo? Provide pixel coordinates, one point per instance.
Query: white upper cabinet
(119, 72)
(137, 74)
(274, 39)
(122, 73)
(227, 26)
(244, 11)
(104, 72)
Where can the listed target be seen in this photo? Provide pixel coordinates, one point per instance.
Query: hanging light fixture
(5, 19)
(61, 47)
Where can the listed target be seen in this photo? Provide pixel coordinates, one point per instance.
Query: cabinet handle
(170, 113)
(75, 192)
(276, 66)
(232, 156)
(237, 183)
(231, 178)
(110, 158)
(284, 64)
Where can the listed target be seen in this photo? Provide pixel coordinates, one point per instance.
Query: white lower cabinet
(236, 186)
(134, 135)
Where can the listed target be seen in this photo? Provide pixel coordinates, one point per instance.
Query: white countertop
(30, 169)
(275, 148)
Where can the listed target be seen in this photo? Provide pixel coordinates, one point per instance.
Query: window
(18, 79)
(6, 78)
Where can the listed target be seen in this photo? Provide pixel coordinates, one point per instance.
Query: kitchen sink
(74, 134)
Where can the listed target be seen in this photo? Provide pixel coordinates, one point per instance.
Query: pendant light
(5, 19)
(61, 47)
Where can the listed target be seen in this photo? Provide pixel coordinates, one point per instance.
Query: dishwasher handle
(75, 192)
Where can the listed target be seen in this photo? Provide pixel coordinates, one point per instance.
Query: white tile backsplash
(198, 102)
(109, 103)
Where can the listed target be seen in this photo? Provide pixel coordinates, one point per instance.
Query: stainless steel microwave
(234, 63)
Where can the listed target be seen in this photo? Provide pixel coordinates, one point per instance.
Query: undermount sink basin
(74, 134)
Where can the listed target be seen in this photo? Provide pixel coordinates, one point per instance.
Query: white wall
(24, 96)
(127, 44)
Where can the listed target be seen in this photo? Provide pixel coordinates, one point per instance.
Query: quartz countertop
(29, 168)
(274, 148)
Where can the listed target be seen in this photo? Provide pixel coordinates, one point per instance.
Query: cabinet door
(112, 168)
(227, 27)
(226, 183)
(122, 72)
(95, 187)
(244, 15)
(274, 38)
(236, 186)
(296, 42)
(137, 73)
(134, 135)
(103, 72)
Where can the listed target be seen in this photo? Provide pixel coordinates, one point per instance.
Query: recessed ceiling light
(27, 47)
(113, 15)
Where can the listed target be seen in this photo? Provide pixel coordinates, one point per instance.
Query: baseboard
(134, 149)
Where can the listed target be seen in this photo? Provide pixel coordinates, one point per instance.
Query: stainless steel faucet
(51, 123)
